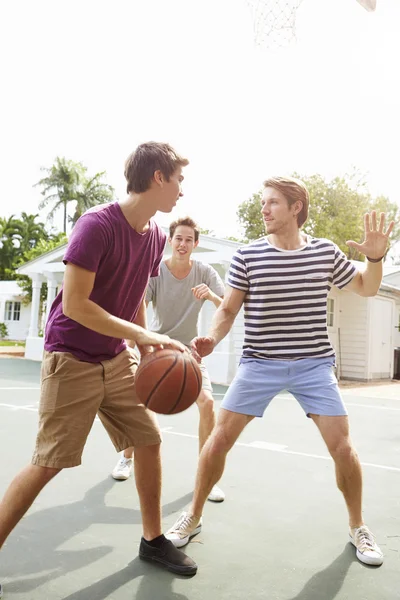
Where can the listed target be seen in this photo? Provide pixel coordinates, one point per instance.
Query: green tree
(91, 192)
(30, 232)
(10, 229)
(249, 215)
(59, 187)
(336, 211)
(66, 182)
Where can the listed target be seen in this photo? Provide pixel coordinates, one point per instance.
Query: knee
(220, 441)
(343, 450)
(146, 451)
(46, 473)
(206, 406)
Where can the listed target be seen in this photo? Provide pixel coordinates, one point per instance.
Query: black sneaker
(170, 557)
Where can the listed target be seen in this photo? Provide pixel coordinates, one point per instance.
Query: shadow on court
(38, 537)
(152, 586)
(330, 580)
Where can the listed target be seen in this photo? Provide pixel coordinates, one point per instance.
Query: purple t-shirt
(103, 242)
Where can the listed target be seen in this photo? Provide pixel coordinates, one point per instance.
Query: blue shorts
(311, 381)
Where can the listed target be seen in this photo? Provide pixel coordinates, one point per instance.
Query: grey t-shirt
(176, 310)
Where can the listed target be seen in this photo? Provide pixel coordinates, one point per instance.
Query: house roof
(10, 288)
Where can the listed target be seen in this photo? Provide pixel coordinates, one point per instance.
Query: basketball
(168, 381)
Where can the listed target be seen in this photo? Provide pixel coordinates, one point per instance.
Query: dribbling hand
(202, 346)
(158, 341)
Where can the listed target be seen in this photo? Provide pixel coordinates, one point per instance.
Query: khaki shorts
(73, 392)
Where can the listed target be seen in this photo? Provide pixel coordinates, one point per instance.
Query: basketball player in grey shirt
(178, 295)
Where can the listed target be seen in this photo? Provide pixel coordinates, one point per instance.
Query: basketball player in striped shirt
(283, 281)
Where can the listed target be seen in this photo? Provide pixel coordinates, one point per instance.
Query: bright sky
(89, 80)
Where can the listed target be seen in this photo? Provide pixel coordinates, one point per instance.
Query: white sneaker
(184, 529)
(368, 551)
(216, 494)
(123, 469)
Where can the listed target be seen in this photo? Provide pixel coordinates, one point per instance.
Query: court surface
(281, 533)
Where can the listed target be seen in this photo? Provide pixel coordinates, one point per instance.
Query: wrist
(214, 338)
(375, 260)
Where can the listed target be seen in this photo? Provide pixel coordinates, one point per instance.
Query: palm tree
(60, 185)
(10, 230)
(66, 182)
(91, 193)
(31, 233)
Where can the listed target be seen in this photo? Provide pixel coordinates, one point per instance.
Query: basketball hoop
(274, 22)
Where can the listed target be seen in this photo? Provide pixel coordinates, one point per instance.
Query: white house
(363, 331)
(13, 312)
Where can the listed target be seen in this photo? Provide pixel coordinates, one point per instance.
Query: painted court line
(289, 397)
(16, 407)
(282, 449)
(19, 388)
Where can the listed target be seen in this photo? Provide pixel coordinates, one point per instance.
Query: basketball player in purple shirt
(87, 367)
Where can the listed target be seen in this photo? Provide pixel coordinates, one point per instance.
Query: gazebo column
(52, 284)
(35, 305)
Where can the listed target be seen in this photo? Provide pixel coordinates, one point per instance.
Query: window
(330, 315)
(12, 311)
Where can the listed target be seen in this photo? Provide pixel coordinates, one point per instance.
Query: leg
(205, 404)
(335, 432)
(68, 402)
(148, 483)
(212, 459)
(20, 495)
(211, 466)
(128, 452)
(123, 469)
(128, 424)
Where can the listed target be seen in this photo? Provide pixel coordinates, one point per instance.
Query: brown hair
(148, 158)
(186, 222)
(293, 190)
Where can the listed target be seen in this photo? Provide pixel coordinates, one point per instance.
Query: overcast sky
(89, 80)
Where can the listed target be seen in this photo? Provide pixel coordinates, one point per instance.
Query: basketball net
(274, 22)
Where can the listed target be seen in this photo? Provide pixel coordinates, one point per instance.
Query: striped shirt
(285, 307)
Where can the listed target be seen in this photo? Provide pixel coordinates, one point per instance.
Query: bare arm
(221, 324)
(203, 292)
(78, 285)
(140, 319)
(368, 282)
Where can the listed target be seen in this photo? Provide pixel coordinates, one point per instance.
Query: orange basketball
(168, 381)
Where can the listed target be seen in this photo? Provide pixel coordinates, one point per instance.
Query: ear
(158, 178)
(170, 241)
(297, 207)
(196, 244)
